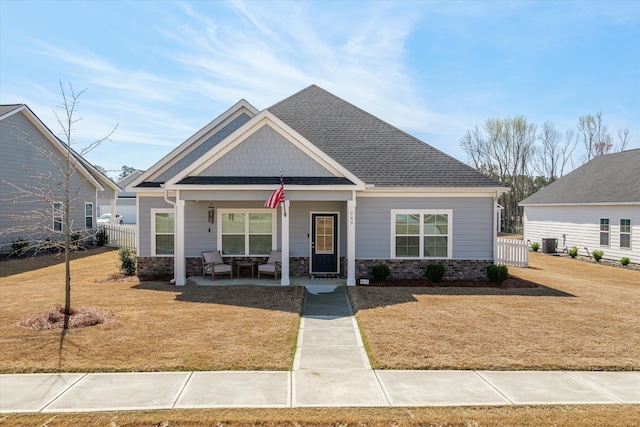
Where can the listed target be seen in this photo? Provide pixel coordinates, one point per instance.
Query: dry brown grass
(582, 316)
(158, 326)
(560, 416)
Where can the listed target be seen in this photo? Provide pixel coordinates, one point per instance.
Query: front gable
(264, 147)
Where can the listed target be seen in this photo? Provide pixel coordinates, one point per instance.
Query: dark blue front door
(324, 243)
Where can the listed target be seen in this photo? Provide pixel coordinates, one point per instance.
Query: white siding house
(597, 206)
(30, 156)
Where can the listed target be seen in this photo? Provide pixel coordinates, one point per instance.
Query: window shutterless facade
(249, 232)
(57, 216)
(421, 234)
(604, 231)
(162, 232)
(88, 215)
(625, 233)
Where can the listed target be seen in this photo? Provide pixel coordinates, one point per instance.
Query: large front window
(421, 234)
(163, 231)
(247, 232)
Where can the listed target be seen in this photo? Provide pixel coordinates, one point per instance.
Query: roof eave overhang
(252, 187)
(444, 190)
(581, 204)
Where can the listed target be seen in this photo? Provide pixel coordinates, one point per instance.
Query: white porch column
(351, 242)
(179, 261)
(286, 214)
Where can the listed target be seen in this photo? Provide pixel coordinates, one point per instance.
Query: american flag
(276, 197)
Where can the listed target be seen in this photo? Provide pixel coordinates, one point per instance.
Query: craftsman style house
(358, 192)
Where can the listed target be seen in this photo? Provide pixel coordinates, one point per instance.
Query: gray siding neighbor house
(597, 206)
(358, 192)
(29, 153)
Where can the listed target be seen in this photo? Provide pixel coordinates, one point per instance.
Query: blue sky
(161, 69)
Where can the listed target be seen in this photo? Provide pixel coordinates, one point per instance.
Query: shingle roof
(609, 178)
(4, 109)
(372, 149)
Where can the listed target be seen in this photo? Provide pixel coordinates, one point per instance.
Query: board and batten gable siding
(472, 224)
(17, 162)
(265, 153)
(205, 146)
(581, 225)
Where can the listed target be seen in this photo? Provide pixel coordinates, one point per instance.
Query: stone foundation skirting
(155, 266)
(415, 268)
(299, 267)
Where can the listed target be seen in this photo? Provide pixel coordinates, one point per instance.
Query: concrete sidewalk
(330, 369)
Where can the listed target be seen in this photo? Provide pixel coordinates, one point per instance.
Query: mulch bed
(79, 318)
(512, 282)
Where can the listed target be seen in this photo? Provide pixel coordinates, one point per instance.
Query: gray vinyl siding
(145, 204)
(300, 225)
(19, 163)
(265, 153)
(472, 224)
(205, 146)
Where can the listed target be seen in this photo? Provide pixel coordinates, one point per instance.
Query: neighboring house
(126, 201)
(358, 192)
(597, 206)
(28, 152)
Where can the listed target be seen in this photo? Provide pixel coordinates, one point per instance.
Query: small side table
(244, 265)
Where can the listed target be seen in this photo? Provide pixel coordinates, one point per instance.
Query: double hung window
(604, 231)
(247, 232)
(163, 230)
(88, 215)
(421, 234)
(625, 233)
(58, 214)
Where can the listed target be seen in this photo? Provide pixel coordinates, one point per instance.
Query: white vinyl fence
(513, 252)
(121, 236)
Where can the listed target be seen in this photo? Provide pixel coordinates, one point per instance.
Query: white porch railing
(513, 252)
(121, 236)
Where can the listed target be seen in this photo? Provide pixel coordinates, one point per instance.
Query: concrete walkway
(331, 369)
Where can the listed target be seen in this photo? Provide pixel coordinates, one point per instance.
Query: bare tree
(504, 152)
(624, 137)
(552, 156)
(594, 135)
(58, 187)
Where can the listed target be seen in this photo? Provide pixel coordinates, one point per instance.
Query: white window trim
(247, 211)
(422, 212)
(93, 222)
(600, 232)
(625, 232)
(153, 232)
(60, 212)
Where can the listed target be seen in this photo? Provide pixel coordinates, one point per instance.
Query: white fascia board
(59, 145)
(167, 161)
(269, 187)
(432, 192)
(12, 112)
(580, 204)
(264, 118)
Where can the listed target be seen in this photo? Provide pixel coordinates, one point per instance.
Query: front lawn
(158, 326)
(581, 316)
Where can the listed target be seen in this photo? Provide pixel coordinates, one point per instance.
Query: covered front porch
(263, 281)
(314, 229)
